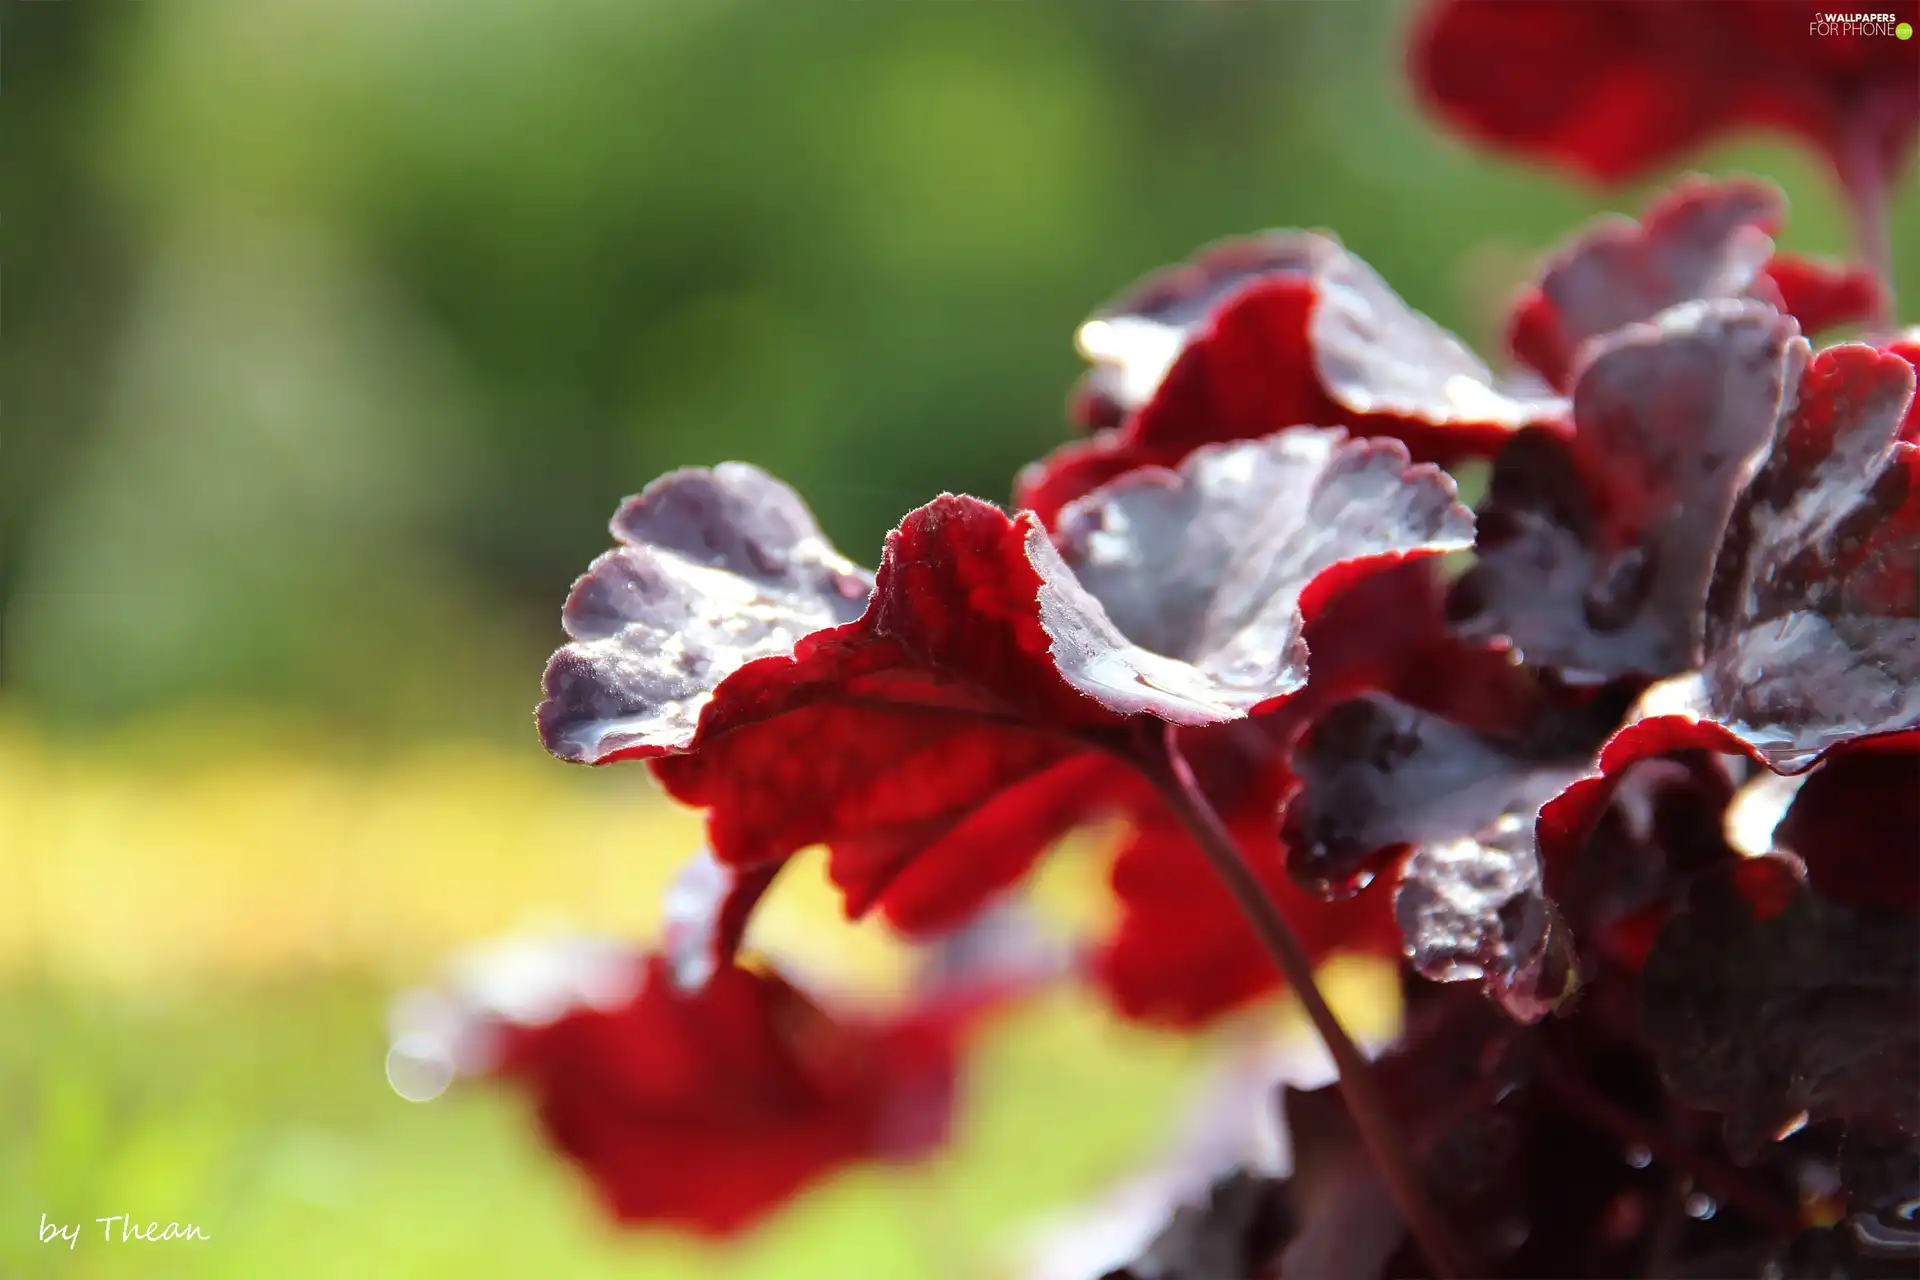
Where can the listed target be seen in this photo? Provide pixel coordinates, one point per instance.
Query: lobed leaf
(940, 739)
(1282, 330)
(1595, 548)
(1380, 778)
(1813, 617)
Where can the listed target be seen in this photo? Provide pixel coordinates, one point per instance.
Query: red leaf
(710, 1110)
(1595, 548)
(1612, 88)
(720, 641)
(1668, 815)
(1567, 820)
(1281, 330)
(1855, 823)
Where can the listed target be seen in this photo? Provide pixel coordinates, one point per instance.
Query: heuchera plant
(1634, 794)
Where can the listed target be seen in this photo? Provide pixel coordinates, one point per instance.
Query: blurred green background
(333, 334)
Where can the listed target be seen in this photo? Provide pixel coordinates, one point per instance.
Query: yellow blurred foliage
(236, 846)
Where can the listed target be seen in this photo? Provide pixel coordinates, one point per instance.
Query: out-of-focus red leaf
(1613, 88)
(709, 1110)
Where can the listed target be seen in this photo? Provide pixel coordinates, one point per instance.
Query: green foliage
(261, 1116)
(336, 330)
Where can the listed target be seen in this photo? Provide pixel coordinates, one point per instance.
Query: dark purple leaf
(1473, 910)
(1595, 549)
(1378, 777)
(1813, 620)
(1767, 1003)
(1855, 821)
(1208, 563)
(1702, 239)
(1231, 1236)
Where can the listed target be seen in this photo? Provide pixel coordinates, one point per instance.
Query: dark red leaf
(1858, 1249)
(1444, 1082)
(1570, 817)
(1853, 830)
(723, 641)
(1612, 88)
(1595, 548)
(1881, 1173)
(1282, 330)
(1813, 619)
(1764, 1001)
(710, 1110)
(1855, 823)
(1616, 845)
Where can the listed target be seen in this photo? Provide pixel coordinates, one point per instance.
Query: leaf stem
(1173, 778)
